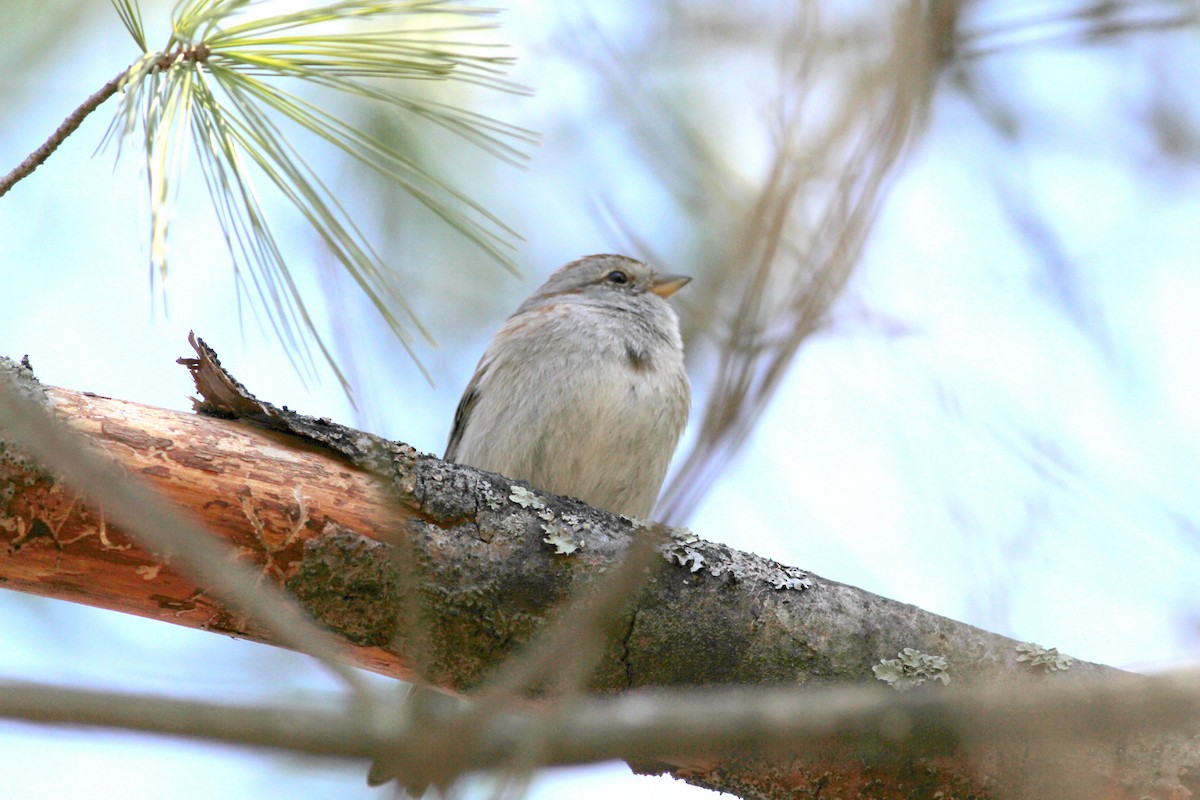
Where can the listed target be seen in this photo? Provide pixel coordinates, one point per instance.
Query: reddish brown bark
(264, 492)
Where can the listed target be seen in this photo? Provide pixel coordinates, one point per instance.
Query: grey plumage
(583, 390)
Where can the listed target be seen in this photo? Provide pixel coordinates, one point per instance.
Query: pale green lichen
(911, 669)
(525, 498)
(732, 568)
(678, 549)
(685, 535)
(576, 523)
(686, 549)
(562, 538)
(1037, 656)
(791, 578)
(491, 498)
(688, 556)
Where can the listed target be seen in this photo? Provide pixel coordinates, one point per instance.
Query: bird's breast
(590, 410)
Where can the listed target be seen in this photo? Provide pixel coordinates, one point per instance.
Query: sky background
(1000, 424)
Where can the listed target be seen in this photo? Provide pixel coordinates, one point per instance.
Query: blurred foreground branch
(323, 511)
(800, 234)
(849, 90)
(683, 725)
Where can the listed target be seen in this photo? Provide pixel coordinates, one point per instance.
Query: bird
(583, 390)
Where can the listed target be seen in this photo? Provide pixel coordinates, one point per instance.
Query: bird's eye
(617, 276)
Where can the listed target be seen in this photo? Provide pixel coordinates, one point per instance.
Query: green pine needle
(131, 18)
(217, 89)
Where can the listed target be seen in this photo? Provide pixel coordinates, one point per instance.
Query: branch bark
(324, 516)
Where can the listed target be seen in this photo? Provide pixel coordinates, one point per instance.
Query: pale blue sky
(962, 438)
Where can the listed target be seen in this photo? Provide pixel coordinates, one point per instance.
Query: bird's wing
(463, 413)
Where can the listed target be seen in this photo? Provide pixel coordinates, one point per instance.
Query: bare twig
(68, 126)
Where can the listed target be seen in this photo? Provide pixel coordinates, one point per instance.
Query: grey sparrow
(582, 391)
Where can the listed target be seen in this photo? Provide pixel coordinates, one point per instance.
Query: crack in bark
(626, 659)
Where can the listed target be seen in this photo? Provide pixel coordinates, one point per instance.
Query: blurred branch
(557, 663)
(802, 237)
(774, 254)
(1097, 22)
(689, 727)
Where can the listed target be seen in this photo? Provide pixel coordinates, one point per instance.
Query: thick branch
(247, 486)
(312, 521)
(488, 580)
(159, 527)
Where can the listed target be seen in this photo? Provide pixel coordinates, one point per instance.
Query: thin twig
(73, 121)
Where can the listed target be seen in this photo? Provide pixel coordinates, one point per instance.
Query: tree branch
(488, 570)
(68, 126)
(685, 725)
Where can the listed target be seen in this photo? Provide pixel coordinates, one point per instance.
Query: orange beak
(667, 285)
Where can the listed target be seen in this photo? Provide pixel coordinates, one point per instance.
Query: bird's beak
(667, 285)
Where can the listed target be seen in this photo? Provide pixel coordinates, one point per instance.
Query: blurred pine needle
(216, 88)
